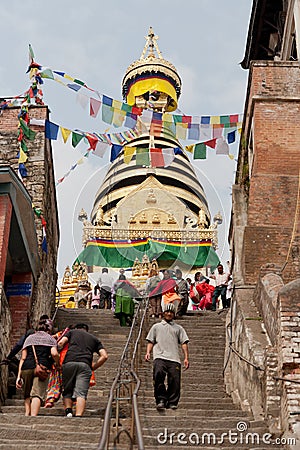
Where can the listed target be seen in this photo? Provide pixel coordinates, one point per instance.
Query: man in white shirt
(221, 287)
(105, 282)
(164, 338)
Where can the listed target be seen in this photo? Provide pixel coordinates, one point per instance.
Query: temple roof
(265, 31)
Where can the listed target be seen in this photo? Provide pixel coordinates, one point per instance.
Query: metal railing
(125, 387)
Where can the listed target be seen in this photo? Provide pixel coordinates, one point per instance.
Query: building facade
(265, 223)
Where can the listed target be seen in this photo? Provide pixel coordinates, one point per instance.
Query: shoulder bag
(40, 371)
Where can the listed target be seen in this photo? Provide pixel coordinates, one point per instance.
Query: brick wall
(272, 115)
(289, 351)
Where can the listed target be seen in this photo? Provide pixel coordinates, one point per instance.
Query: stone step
(204, 404)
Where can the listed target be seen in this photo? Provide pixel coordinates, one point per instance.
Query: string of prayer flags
(73, 167)
(24, 132)
(152, 156)
(38, 213)
(199, 150)
(161, 157)
(120, 114)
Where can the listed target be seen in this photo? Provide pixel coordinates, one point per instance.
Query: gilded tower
(155, 209)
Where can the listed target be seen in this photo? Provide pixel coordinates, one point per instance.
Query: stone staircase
(204, 406)
(51, 429)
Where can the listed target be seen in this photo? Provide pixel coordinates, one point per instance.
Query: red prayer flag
(137, 111)
(157, 158)
(211, 143)
(234, 118)
(155, 127)
(94, 107)
(186, 119)
(93, 141)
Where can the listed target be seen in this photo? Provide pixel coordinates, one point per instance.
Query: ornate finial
(151, 44)
(82, 215)
(152, 73)
(218, 219)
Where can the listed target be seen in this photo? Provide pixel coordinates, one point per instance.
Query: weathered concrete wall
(266, 300)
(243, 381)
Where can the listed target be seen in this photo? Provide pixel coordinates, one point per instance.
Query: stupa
(158, 210)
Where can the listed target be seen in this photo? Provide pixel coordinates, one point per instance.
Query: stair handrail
(119, 380)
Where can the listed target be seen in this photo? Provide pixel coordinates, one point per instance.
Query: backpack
(153, 282)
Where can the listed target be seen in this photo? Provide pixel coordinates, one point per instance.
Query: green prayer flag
(200, 151)
(224, 119)
(107, 114)
(37, 211)
(177, 118)
(23, 146)
(142, 156)
(47, 73)
(126, 107)
(76, 138)
(82, 83)
(28, 133)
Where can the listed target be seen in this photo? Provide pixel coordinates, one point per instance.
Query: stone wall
(40, 184)
(289, 351)
(245, 382)
(265, 327)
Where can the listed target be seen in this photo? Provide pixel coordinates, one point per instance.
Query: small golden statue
(136, 269)
(145, 265)
(67, 278)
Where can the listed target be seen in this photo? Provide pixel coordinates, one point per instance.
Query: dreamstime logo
(234, 437)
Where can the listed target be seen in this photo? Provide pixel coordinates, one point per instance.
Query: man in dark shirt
(78, 365)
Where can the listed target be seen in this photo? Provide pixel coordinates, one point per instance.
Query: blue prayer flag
(51, 130)
(205, 120)
(115, 151)
(107, 100)
(75, 87)
(231, 137)
(194, 132)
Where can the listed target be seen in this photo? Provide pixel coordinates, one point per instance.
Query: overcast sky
(95, 41)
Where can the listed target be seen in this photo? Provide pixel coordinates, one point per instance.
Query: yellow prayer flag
(181, 129)
(80, 161)
(22, 157)
(231, 156)
(215, 120)
(68, 77)
(167, 118)
(128, 154)
(190, 148)
(116, 104)
(65, 133)
(118, 118)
